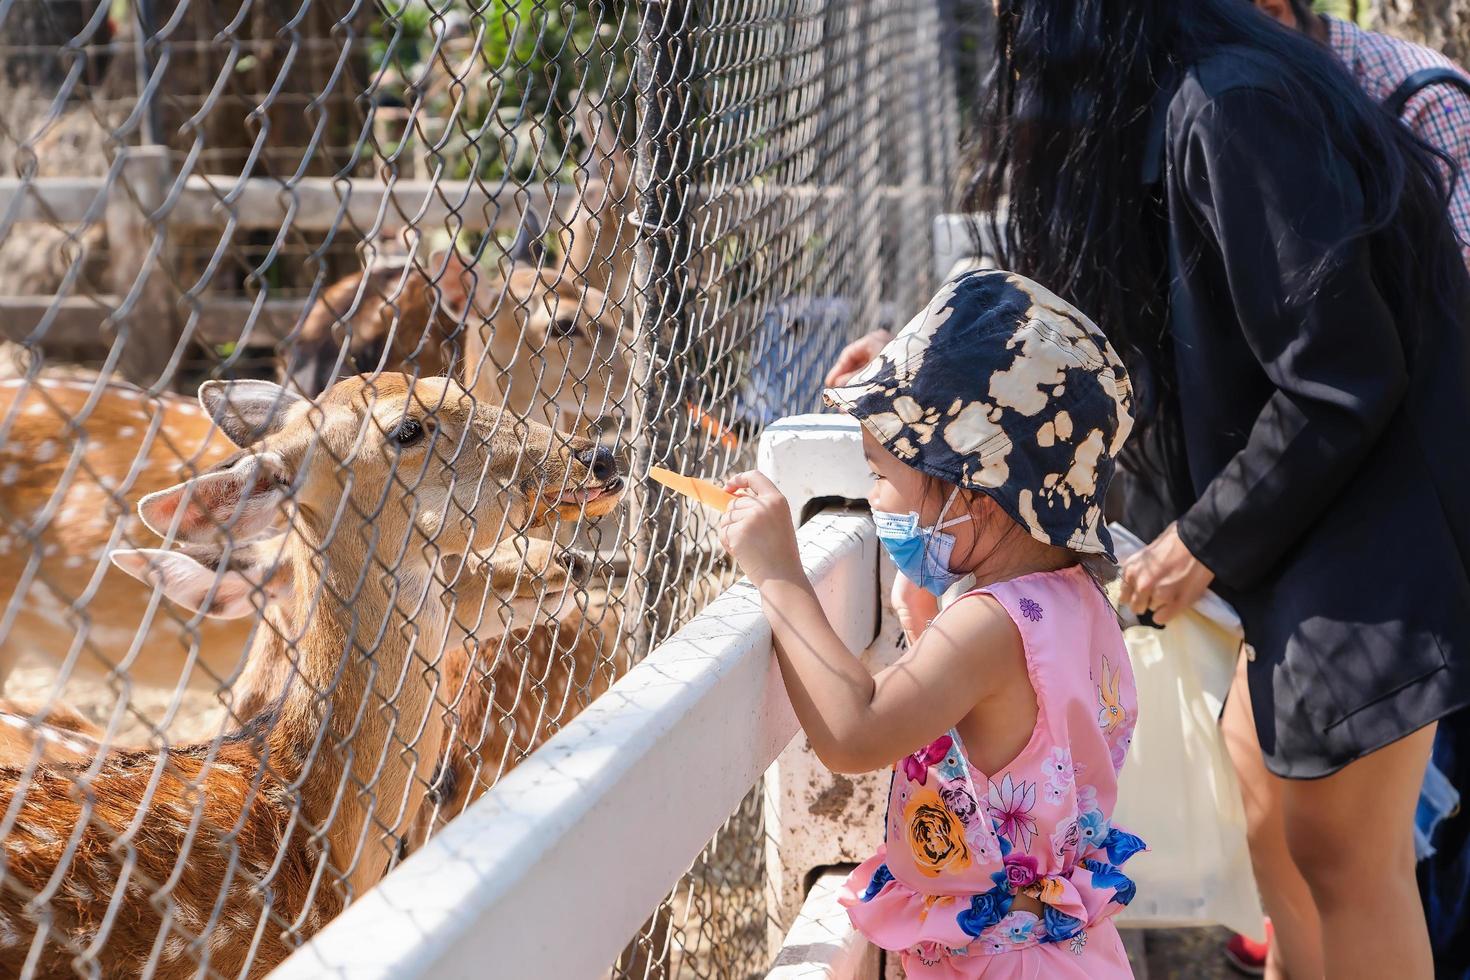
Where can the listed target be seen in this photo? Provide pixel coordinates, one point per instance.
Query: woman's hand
(757, 529)
(855, 356)
(915, 607)
(1164, 578)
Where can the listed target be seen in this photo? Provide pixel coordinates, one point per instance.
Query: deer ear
(247, 411)
(528, 246)
(461, 281)
(243, 502)
(217, 594)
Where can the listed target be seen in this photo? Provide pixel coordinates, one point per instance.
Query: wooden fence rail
(310, 205)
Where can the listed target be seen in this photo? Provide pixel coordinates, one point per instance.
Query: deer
(535, 341)
(546, 341)
(72, 453)
(260, 838)
(531, 582)
(91, 446)
(144, 444)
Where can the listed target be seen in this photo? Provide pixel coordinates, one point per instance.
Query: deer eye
(409, 431)
(564, 327)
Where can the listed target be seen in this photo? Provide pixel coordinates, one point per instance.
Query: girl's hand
(1164, 578)
(915, 607)
(757, 529)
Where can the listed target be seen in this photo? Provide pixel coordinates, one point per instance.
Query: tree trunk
(1441, 24)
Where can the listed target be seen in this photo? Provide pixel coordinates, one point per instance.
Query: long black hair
(1062, 144)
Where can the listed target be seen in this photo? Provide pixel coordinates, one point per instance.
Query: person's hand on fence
(855, 356)
(757, 529)
(914, 605)
(1164, 579)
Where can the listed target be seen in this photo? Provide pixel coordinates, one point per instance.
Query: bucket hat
(1002, 387)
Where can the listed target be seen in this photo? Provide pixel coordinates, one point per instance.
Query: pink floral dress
(961, 844)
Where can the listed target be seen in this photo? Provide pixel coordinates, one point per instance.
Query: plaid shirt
(1438, 114)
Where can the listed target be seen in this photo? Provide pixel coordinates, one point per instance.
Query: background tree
(1441, 24)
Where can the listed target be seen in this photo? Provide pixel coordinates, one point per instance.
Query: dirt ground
(1187, 954)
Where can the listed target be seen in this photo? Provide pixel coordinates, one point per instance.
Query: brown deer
(220, 858)
(542, 335)
(73, 453)
(536, 342)
(530, 583)
(126, 445)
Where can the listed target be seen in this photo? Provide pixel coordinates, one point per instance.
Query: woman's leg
(1296, 946)
(1352, 836)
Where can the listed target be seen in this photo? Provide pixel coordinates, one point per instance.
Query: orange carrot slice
(701, 490)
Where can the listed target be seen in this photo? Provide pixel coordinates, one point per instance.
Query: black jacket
(1327, 439)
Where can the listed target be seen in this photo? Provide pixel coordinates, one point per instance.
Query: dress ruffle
(896, 916)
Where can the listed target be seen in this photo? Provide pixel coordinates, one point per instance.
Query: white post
(816, 818)
(822, 943)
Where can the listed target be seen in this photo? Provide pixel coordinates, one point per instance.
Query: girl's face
(899, 488)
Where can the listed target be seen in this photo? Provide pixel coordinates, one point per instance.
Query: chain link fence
(257, 645)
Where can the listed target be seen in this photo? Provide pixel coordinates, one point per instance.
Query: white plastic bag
(1178, 790)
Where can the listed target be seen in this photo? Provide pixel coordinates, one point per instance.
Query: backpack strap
(1421, 79)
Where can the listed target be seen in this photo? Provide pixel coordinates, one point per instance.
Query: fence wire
(258, 643)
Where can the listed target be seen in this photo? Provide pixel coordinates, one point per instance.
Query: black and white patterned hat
(1001, 386)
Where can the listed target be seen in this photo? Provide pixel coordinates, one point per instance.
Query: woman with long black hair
(1270, 252)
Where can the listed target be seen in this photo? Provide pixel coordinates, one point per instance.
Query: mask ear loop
(941, 523)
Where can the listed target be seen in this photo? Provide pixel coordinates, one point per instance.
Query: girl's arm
(858, 722)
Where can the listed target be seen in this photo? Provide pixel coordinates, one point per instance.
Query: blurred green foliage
(495, 85)
(1344, 9)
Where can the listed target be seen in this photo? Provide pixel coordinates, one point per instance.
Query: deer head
(550, 348)
(536, 337)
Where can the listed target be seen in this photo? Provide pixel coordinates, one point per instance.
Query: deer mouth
(588, 501)
(586, 495)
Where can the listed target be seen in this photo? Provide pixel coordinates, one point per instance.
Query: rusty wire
(647, 225)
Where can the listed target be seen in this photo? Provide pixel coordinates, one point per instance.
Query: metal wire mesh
(635, 233)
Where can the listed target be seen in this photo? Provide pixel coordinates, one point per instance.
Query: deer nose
(601, 464)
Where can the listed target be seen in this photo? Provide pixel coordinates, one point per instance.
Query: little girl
(991, 424)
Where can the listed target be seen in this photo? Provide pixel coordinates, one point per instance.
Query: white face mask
(921, 553)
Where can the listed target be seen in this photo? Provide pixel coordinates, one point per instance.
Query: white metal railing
(822, 943)
(551, 872)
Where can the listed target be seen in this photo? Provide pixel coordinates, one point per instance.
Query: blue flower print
(1122, 845)
(995, 945)
(1059, 925)
(1107, 876)
(984, 911)
(1092, 828)
(1018, 930)
(881, 877)
(952, 767)
(1031, 609)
